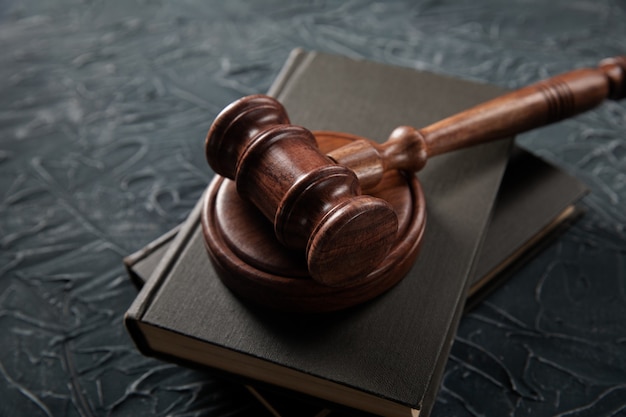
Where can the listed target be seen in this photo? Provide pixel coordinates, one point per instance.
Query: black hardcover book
(385, 356)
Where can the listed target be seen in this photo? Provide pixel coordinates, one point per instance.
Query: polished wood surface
(528, 108)
(316, 201)
(315, 205)
(252, 262)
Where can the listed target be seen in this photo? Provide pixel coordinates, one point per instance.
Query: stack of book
(488, 208)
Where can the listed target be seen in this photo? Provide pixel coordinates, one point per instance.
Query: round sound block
(253, 264)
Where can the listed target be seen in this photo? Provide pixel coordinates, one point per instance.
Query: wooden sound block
(253, 264)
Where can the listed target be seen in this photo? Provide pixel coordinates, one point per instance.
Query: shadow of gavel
(316, 201)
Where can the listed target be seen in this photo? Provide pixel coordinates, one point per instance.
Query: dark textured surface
(103, 109)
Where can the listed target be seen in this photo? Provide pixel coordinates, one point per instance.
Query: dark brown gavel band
(315, 201)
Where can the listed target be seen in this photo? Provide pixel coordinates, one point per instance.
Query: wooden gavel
(315, 201)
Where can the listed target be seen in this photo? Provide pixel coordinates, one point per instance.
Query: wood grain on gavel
(315, 201)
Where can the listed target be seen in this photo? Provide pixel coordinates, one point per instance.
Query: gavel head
(314, 204)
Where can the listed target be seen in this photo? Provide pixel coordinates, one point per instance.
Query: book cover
(387, 355)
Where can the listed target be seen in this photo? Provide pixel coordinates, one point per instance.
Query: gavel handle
(537, 105)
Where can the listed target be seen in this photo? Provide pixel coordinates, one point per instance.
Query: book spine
(151, 287)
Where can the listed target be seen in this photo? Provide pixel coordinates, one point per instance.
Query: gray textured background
(103, 110)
